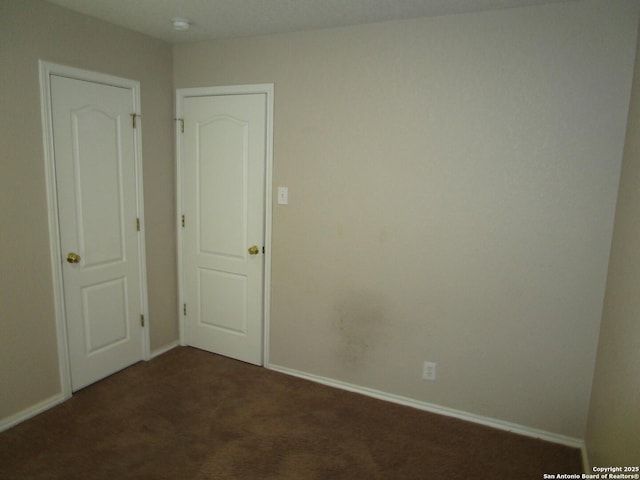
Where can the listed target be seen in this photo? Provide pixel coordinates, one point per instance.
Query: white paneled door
(94, 144)
(223, 149)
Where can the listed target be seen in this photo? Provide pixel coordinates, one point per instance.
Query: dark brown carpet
(189, 414)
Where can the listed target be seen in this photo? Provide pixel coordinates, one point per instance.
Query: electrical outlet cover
(429, 371)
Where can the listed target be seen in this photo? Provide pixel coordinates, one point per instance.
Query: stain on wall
(360, 321)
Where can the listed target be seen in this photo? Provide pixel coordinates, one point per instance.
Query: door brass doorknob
(254, 250)
(73, 258)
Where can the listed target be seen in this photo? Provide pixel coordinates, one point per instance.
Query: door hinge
(184, 309)
(181, 120)
(263, 249)
(183, 222)
(137, 224)
(133, 119)
(142, 320)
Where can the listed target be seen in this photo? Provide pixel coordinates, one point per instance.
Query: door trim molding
(46, 69)
(181, 95)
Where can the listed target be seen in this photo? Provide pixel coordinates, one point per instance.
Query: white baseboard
(32, 411)
(51, 402)
(164, 349)
(449, 412)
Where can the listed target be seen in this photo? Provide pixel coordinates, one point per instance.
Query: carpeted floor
(189, 414)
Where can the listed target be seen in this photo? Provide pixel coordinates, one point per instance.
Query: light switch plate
(283, 196)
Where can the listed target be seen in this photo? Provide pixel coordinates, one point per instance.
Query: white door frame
(181, 95)
(46, 70)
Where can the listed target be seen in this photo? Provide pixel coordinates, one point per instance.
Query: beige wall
(452, 183)
(32, 30)
(614, 414)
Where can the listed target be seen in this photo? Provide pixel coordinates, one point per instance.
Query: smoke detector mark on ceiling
(180, 24)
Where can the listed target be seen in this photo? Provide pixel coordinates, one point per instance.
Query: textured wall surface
(452, 185)
(614, 414)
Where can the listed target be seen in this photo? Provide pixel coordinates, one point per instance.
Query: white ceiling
(213, 19)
